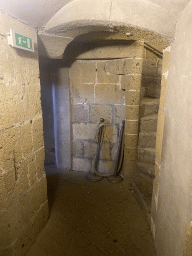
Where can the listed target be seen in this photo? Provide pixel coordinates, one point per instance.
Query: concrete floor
(92, 219)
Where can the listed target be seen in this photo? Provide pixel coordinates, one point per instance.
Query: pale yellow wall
(23, 191)
(173, 182)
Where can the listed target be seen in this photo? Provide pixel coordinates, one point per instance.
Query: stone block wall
(105, 83)
(23, 188)
(151, 77)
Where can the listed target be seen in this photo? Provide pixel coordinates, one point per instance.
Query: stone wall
(151, 76)
(105, 83)
(23, 189)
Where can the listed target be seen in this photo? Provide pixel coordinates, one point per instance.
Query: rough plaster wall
(174, 200)
(23, 191)
(107, 87)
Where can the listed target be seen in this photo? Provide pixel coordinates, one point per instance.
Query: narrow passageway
(90, 219)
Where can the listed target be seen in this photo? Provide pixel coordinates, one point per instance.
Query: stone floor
(92, 219)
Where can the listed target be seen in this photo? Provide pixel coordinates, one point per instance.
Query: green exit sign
(20, 41)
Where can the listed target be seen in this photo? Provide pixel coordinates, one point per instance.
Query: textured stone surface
(100, 111)
(84, 131)
(84, 72)
(125, 66)
(82, 93)
(147, 140)
(103, 76)
(146, 155)
(129, 82)
(149, 123)
(81, 164)
(23, 190)
(132, 97)
(80, 113)
(77, 148)
(108, 94)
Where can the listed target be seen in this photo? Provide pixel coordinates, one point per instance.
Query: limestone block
(147, 140)
(131, 127)
(130, 154)
(22, 184)
(148, 107)
(124, 66)
(32, 171)
(146, 155)
(120, 111)
(40, 158)
(26, 139)
(31, 94)
(90, 149)
(132, 112)
(83, 72)
(8, 180)
(103, 76)
(106, 167)
(163, 93)
(112, 50)
(11, 107)
(80, 113)
(149, 68)
(32, 199)
(159, 136)
(131, 82)
(37, 128)
(81, 164)
(82, 93)
(132, 97)
(108, 94)
(152, 86)
(165, 65)
(84, 131)
(100, 111)
(131, 140)
(10, 148)
(148, 123)
(78, 148)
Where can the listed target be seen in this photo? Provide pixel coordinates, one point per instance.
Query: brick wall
(23, 191)
(105, 82)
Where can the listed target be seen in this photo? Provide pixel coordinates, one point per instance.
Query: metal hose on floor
(120, 153)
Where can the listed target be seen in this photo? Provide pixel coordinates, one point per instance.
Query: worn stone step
(147, 140)
(146, 155)
(148, 106)
(149, 123)
(146, 168)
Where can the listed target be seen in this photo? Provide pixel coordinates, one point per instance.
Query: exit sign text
(20, 41)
